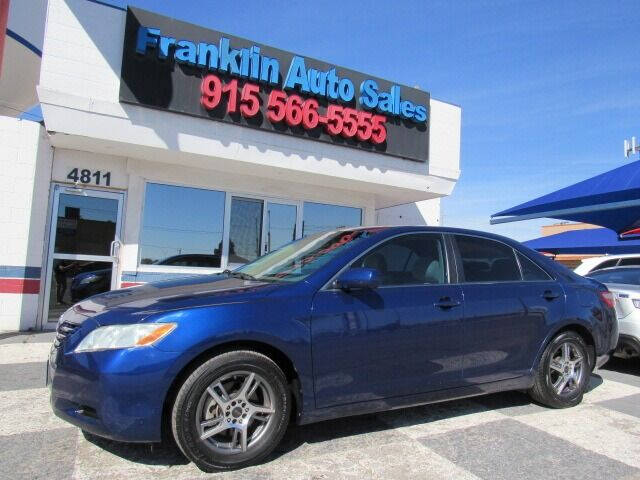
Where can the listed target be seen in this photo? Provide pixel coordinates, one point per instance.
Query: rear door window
(607, 264)
(485, 260)
(531, 272)
(626, 262)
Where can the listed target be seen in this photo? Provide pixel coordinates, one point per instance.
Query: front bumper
(117, 394)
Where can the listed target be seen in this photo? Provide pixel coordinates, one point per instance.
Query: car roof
(603, 258)
(619, 268)
(390, 229)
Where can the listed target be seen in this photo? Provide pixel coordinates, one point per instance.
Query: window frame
(460, 269)
(228, 196)
(330, 285)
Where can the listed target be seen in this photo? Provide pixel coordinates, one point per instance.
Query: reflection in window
(85, 225)
(281, 225)
(319, 217)
(245, 230)
(408, 260)
(299, 259)
(179, 221)
(485, 260)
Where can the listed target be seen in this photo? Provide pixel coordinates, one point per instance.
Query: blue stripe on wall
(10, 271)
(24, 41)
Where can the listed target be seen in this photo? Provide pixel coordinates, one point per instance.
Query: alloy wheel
(566, 368)
(234, 412)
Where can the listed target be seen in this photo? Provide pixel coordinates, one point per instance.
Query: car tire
(563, 372)
(248, 419)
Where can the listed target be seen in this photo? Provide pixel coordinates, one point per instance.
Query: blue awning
(611, 199)
(598, 241)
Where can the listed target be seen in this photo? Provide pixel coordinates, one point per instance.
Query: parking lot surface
(501, 436)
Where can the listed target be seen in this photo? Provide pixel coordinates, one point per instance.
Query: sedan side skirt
(394, 403)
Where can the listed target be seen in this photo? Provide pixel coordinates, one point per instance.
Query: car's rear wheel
(563, 372)
(231, 411)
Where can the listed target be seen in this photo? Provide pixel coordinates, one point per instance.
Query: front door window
(85, 225)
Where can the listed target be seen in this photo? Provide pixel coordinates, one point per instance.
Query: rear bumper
(117, 394)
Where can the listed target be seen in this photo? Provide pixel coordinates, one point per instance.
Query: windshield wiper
(242, 275)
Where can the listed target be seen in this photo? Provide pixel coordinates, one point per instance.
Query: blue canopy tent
(595, 241)
(611, 199)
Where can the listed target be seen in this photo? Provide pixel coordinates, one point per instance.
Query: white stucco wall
(25, 172)
(426, 212)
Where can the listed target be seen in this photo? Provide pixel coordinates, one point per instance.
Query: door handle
(114, 248)
(549, 295)
(445, 303)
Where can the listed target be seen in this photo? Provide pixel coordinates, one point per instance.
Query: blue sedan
(339, 323)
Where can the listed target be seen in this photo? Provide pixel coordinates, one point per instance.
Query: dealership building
(168, 149)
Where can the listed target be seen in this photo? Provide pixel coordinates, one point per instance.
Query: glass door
(258, 226)
(281, 225)
(245, 230)
(83, 247)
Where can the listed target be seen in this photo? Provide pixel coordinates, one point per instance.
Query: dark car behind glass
(90, 282)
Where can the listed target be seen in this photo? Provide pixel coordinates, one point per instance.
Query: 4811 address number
(86, 176)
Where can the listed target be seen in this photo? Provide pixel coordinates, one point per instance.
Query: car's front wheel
(231, 411)
(563, 372)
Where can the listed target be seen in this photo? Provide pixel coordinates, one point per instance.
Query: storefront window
(182, 226)
(281, 225)
(245, 230)
(319, 217)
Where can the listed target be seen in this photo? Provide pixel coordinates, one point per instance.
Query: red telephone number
(295, 111)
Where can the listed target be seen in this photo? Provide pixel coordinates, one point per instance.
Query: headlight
(636, 302)
(89, 279)
(124, 336)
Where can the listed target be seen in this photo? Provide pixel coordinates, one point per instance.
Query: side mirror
(358, 278)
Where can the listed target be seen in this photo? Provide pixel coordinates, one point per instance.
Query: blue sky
(548, 90)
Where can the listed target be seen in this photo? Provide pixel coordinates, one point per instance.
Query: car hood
(174, 294)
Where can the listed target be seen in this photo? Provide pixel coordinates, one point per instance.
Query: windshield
(301, 258)
(629, 276)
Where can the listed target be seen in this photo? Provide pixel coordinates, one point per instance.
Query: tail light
(607, 298)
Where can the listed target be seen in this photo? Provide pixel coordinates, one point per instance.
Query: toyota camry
(339, 323)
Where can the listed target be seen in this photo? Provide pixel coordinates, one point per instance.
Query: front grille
(63, 331)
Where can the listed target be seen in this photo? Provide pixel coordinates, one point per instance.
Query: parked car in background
(339, 323)
(90, 281)
(87, 284)
(191, 260)
(607, 261)
(624, 282)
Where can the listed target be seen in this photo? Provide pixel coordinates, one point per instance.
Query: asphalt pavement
(501, 436)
